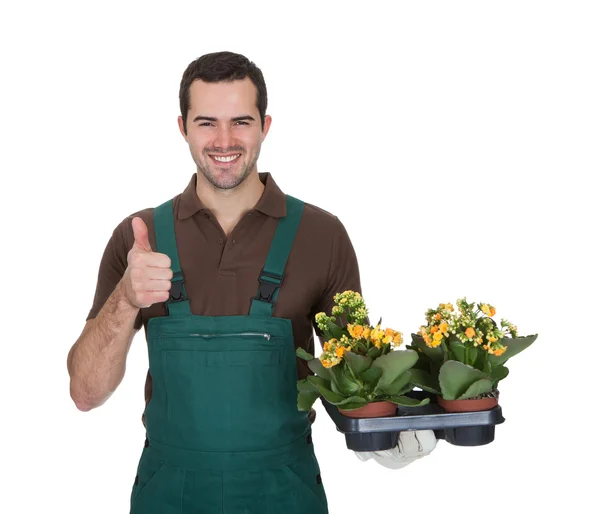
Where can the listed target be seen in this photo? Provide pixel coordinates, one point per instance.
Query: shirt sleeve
(344, 274)
(112, 268)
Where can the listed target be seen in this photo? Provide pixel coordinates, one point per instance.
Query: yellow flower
(470, 332)
(387, 339)
(434, 343)
(444, 328)
(499, 351)
(438, 336)
(326, 346)
(366, 332)
(491, 338)
(398, 338)
(485, 308)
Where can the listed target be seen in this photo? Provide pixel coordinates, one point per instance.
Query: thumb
(140, 234)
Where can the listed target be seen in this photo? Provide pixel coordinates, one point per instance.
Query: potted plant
(361, 370)
(462, 355)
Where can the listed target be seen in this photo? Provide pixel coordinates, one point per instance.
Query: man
(226, 279)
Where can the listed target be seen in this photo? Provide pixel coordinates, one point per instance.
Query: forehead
(222, 98)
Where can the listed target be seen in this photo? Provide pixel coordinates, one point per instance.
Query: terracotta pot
(371, 410)
(470, 405)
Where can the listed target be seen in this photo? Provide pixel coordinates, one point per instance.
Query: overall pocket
(220, 387)
(147, 472)
(307, 475)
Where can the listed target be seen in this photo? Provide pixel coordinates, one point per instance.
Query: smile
(226, 158)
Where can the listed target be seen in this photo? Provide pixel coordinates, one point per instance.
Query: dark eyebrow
(210, 118)
(242, 118)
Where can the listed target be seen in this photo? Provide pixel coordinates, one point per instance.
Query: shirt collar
(272, 201)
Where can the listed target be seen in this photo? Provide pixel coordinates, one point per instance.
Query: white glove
(411, 445)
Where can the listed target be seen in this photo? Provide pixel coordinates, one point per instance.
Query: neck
(230, 204)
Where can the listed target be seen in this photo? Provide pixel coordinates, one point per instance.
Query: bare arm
(96, 362)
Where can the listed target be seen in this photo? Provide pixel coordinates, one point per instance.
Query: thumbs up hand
(147, 279)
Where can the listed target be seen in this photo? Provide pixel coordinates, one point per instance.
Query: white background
(456, 141)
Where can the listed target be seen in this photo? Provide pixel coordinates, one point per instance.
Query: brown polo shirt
(221, 273)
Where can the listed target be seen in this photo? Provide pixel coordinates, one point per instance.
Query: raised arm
(96, 362)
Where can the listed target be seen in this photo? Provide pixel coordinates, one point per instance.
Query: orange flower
(339, 351)
(492, 311)
(438, 316)
(470, 332)
(357, 331)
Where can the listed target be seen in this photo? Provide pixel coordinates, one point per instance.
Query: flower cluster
(469, 325)
(356, 336)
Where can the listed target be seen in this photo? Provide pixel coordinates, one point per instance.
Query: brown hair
(218, 67)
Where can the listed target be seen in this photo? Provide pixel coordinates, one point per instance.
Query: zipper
(254, 334)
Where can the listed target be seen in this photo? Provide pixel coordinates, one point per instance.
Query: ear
(181, 127)
(268, 120)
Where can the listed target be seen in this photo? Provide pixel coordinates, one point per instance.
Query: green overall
(223, 431)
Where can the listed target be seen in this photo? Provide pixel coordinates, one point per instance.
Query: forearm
(96, 362)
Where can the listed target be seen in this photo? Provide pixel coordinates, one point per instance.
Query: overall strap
(271, 276)
(164, 229)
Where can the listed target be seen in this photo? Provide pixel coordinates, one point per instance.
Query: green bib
(224, 434)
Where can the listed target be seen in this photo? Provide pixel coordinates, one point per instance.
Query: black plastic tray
(460, 428)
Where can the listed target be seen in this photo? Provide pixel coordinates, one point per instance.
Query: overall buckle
(266, 288)
(176, 291)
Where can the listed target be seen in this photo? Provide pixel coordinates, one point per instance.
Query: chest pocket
(223, 387)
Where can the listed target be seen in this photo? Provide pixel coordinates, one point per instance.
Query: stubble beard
(221, 180)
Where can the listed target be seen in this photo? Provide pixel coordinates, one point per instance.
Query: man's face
(223, 130)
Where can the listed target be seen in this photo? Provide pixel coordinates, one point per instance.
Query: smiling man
(226, 279)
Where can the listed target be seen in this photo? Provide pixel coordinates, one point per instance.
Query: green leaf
(513, 347)
(456, 378)
(393, 365)
(483, 385)
(499, 373)
(316, 366)
(425, 381)
(335, 330)
(397, 385)
(303, 354)
(343, 380)
(458, 350)
(435, 354)
(406, 401)
(353, 405)
(357, 363)
(373, 352)
(323, 388)
(304, 386)
(476, 357)
(370, 377)
(353, 400)
(307, 399)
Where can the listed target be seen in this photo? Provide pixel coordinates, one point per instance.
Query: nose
(223, 139)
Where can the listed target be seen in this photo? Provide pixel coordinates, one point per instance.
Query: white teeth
(226, 159)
